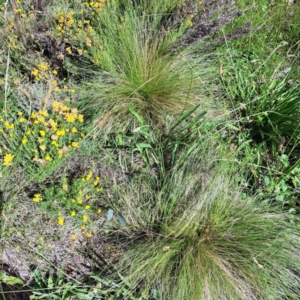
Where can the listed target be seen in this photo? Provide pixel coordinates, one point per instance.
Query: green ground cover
(149, 149)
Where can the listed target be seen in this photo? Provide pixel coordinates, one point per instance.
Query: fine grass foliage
(141, 71)
(211, 244)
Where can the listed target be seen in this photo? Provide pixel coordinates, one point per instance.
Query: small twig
(5, 9)
(6, 81)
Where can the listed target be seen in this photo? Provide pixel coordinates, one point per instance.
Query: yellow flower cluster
(80, 207)
(97, 5)
(7, 161)
(41, 71)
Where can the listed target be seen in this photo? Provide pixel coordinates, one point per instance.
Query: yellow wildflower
(24, 141)
(99, 211)
(55, 143)
(75, 144)
(73, 237)
(56, 89)
(37, 198)
(73, 213)
(96, 181)
(84, 218)
(74, 130)
(42, 132)
(80, 118)
(60, 132)
(89, 176)
(9, 126)
(87, 207)
(52, 123)
(70, 117)
(88, 234)
(8, 159)
(43, 147)
(21, 120)
(43, 113)
(83, 227)
(60, 221)
(43, 67)
(54, 72)
(48, 157)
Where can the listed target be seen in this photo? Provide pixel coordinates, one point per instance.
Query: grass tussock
(211, 244)
(142, 72)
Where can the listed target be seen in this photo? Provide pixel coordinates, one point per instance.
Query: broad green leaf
(143, 145)
(184, 116)
(139, 118)
(11, 280)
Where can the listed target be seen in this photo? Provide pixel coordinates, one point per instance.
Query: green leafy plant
(57, 287)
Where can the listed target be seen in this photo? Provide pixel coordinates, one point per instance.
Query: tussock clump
(211, 244)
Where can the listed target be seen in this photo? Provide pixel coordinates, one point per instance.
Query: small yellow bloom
(79, 201)
(43, 147)
(60, 221)
(65, 187)
(21, 120)
(55, 143)
(80, 118)
(84, 218)
(28, 132)
(43, 113)
(89, 176)
(70, 117)
(43, 67)
(73, 213)
(60, 153)
(75, 144)
(74, 130)
(9, 126)
(60, 132)
(72, 91)
(24, 141)
(68, 49)
(83, 227)
(56, 89)
(88, 234)
(87, 207)
(73, 237)
(48, 157)
(96, 181)
(36, 122)
(99, 211)
(37, 198)
(8, 159)
(54, 72)
(42, 132)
